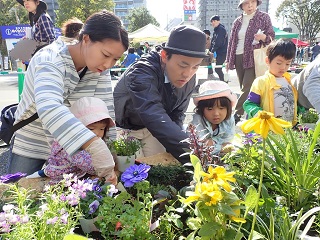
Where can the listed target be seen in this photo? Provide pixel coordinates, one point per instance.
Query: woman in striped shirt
(52, 84)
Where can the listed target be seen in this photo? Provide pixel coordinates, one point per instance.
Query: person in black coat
(153, 94)
(219, 44)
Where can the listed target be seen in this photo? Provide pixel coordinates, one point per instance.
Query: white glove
(102, 160)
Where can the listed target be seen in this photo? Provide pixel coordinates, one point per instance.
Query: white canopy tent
(149, 33)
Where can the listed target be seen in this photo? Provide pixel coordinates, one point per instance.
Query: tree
(140, 17)
(304, 14)
(81, 9)
(11, 13)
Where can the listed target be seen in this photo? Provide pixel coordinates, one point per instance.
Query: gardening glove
(113, 179)
(102, 160)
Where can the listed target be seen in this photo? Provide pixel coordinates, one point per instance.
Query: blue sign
(189, 12)
(19, 31)
(13, 31)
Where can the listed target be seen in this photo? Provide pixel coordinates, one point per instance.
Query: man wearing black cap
(153, 94)
(219, 44)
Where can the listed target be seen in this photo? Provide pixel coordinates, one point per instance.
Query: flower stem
(259, 190)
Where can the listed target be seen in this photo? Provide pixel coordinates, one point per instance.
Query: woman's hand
(113, 179)
(260, 37)
(226, 65)
(102, 160)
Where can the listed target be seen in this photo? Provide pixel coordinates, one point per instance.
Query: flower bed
(265, 189)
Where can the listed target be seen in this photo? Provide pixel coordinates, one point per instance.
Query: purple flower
(72, 199)
(96, 188)
(93, 206)
(4, 227)
(52, 220)
(64, 218)
(134, 174)
(111, 190)
(12, 177)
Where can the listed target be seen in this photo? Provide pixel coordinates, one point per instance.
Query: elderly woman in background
(244, 32)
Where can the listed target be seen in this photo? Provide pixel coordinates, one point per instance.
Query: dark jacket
(219, 42)
(142, 99)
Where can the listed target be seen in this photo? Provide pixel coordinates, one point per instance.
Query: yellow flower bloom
(236, 218)
(219, 176)
(264, 122)
(207, 192)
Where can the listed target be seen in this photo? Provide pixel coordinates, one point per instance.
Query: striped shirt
(43, 29)
(51, 85)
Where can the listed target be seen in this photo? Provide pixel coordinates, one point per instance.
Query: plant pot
(87, 225)
(125, 161)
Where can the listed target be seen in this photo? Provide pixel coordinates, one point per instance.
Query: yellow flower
(236, 217)
(264, 122)
(207, 192)
(219, 176)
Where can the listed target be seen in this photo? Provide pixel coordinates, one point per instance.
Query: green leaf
(209, 229)
(197, 167)
(257, 235)
(191, 236)
(251, 198)
(194, 223)
(74, 237)
(226, 209)
(231, 234)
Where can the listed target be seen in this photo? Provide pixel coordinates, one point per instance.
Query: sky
(165, 10)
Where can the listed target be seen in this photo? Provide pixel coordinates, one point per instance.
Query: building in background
(227, 10)
(122, 8)
(173, 23)
(52, 6)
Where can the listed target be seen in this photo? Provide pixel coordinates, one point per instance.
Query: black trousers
(220, 59)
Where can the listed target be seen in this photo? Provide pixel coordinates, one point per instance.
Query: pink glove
(102, 160)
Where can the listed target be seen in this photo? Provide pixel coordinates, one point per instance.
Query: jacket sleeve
(251, 108)
(147, 101)
(253, 103)
(268, 29)
(220, 39)
(311, 87)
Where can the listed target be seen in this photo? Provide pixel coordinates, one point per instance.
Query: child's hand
(113, 179)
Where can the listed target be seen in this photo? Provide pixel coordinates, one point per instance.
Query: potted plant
(127, 149)
(127, 215)
(90, 202)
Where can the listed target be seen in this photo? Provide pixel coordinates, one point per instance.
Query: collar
(166, 79)
(273, 81)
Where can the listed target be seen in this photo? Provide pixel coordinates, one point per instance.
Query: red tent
(298, 42)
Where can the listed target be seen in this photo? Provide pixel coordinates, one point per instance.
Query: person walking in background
(153, 94)
(59, 75)
(42, 26)
(130, 58)
(219, 44)
(315, 51)
(147, 47)
(240, 48)
(273, 92)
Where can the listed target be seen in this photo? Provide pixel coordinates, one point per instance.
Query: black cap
(188, 41)
(215, 17)
(42, 4)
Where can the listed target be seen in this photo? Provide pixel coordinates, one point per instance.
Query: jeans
(24, 164)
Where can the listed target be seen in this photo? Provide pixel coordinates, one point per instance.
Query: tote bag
(260, 64)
